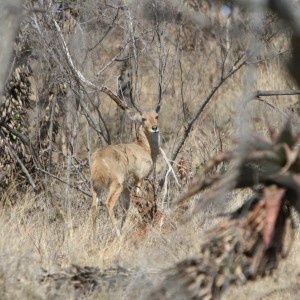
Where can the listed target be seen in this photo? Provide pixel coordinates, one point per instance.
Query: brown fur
(116, 166)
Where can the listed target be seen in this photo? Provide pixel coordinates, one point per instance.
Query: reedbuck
(114, 168)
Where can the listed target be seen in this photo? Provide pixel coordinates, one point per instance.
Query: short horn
(156, 107)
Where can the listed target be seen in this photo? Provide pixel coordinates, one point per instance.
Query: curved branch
(190, 124)
(17, 158)
(65, 182)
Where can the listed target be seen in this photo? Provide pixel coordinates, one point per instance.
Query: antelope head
(149, 120)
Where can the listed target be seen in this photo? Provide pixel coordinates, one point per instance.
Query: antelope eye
(144, 119)
(156, 117)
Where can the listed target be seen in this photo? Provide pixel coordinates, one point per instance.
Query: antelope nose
(154, 128)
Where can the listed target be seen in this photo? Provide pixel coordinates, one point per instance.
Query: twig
(135, 55)
(170, 169)
(169, 165)
(69, 58)
(182, 92)
(24, 139)
(273, 106)
(79, 76)
(190, 124)
(276, 93)
(110, 26)
(87, 113)
(260, 93)
(110, 62)
(85, 81)
(165, 185)
(17, 158)
(160, 62)
(51, 133)
(289, 13)
(65, 182)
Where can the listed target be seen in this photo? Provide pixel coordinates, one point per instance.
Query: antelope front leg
(125, 205)
(139, 186)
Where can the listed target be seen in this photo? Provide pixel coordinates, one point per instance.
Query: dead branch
(78, 74)
(169, 165)
(260, 93)
(65, 182)
(110, 62)
(170, 170)
(160, 63)
(51, 133)
(17, 158)
(88, 115)
(24, 139)
(274, 107)
(190, 124)
(110, 26)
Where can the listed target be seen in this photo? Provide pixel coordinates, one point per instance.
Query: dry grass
(34, 236)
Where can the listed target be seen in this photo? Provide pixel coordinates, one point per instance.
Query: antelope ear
(157, 109)
(134, 116)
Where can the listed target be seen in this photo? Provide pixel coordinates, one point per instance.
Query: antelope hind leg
(94, 211)
(115, 191)
(125, 204)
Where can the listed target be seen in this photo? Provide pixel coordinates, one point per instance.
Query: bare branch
(169, 165)
(170, 170)
(190, 124)
(65, 182)
(24, 139)
(160, 65)
(277, 93)
(17, 158)
(111, 61)
(274, 107)
(132, 28)
(78, 74)
(110, 26)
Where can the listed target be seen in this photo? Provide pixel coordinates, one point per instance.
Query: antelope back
(120, 163)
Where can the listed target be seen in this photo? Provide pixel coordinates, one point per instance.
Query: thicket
(221, 70)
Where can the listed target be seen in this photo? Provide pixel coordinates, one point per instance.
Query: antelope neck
(149, 142)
